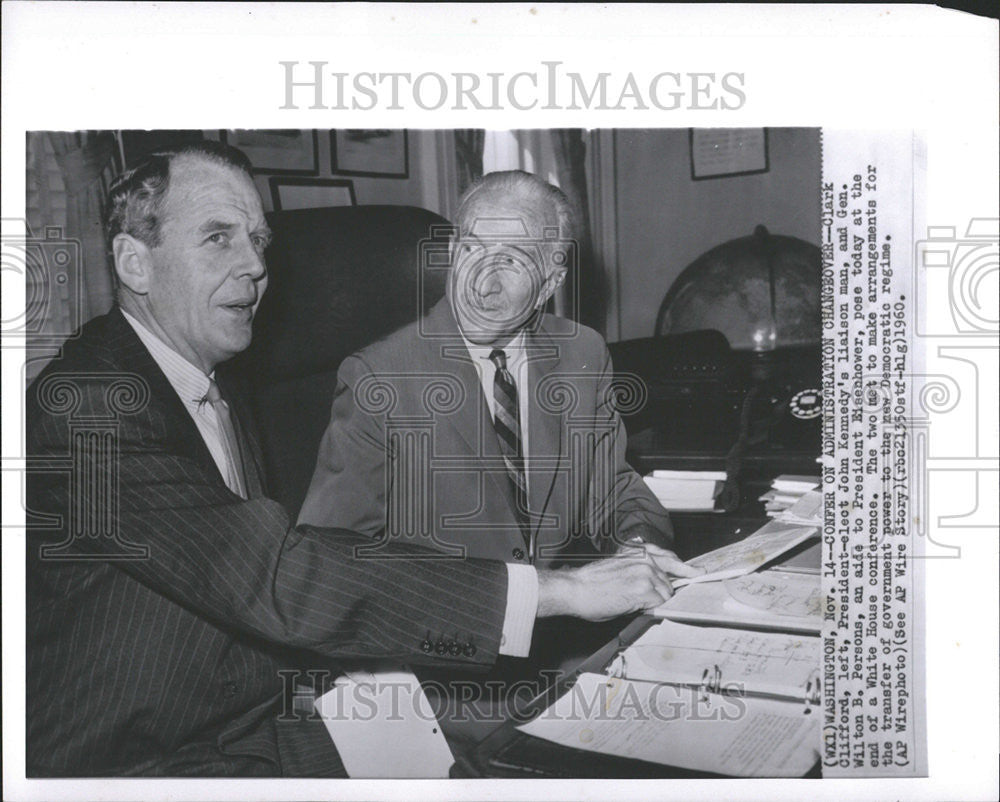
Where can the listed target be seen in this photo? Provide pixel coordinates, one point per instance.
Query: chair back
(339, 279)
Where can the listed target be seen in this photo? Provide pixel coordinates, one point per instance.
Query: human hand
(604, 589)
(664, 559)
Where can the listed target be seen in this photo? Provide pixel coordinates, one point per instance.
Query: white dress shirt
(522, 584)
(191, 385)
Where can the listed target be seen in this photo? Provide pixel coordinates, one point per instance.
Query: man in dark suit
(169, 601)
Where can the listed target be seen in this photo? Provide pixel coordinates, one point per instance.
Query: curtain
(469, 154)
(570, 153)
(558, 156)
(85, 160)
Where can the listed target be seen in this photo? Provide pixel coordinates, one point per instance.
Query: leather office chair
(339, 278)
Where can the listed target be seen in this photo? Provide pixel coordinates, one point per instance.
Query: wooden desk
(508, 752)
(698, 532)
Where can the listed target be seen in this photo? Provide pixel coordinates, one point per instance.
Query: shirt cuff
(522, 608)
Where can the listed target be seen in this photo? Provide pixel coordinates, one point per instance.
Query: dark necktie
(507, 423)
(237, 476)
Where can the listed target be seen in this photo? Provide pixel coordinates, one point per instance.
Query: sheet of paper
(795, 483)
(767, 543)
(807, 510)
(688, 505)
(779, 592)
(741, 737)
(784, 498)
(732, 659)
(684, 493)
(802, 560)
(710, 476)
(682, 488)
(712, 602)
(383, 726)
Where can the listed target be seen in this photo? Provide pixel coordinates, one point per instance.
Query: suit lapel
(253, 461)
(133, 357)
(545, 429)
(250, 450)
(471, 422)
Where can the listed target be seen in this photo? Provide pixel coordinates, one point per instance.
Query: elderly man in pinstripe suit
(167, 595)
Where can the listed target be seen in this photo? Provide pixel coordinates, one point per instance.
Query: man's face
(208, 273)
(503, 270)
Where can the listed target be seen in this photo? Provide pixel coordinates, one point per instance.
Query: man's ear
(552, 283)
(133, 263)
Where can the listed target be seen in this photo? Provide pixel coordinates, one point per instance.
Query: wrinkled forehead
(502, 217)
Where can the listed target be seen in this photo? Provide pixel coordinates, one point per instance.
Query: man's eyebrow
(213, 226)
(216, 225)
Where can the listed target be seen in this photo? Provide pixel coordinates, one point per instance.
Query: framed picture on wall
(310, 193)
(723, 152)
(287, 152)
(375, 152)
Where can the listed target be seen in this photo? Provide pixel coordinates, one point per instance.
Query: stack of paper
(772, 599)
(674, 726)
(692, 491)
(730, 660)
(786, 491)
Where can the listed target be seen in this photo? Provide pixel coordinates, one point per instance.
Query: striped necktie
(237, 476)
(507, 423)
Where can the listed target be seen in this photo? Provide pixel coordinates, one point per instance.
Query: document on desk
(770, 599)
(383, 726)
(732, 660)
(734, 736)
(766, 544)
(779, 592)
(806, 510)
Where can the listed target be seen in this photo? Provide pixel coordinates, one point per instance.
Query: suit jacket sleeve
(635, 510)
(240, 565)
(348, 488)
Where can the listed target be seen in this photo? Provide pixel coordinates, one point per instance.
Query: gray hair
(135, 202)
(518, 184)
